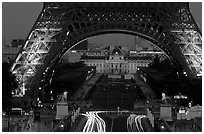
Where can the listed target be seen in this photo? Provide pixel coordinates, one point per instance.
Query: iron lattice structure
(60, 26)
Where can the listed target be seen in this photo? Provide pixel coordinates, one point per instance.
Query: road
(100, 121)
(134, 123)
(94, 123)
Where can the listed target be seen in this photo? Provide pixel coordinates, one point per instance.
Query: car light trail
(94, 122)
(134, 123)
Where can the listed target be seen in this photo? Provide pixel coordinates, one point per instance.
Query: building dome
(116, 51)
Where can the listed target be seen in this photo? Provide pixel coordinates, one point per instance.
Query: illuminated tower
(61, 26)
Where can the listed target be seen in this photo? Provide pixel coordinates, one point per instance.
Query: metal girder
(31, 57)
(187, 36)
(191, 45)
(61, 25)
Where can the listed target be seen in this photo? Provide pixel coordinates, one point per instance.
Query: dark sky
(19, 17)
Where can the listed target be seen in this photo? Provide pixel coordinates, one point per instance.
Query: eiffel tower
(61, 26)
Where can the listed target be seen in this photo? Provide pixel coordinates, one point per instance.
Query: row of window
(132, 61)
(106, 69)
(111, 71)
(117, 66)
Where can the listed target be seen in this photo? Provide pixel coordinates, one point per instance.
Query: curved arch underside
(60, 26)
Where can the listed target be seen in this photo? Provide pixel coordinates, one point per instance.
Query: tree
(9, 84)
(155, 63)
(162, 65)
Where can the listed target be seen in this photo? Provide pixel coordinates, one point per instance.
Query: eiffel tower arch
(61, 26)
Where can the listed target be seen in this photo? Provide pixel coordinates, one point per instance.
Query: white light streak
(134, 123)
(94, 123)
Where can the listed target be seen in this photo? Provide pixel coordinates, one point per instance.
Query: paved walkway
(82, 92)
(84, 89)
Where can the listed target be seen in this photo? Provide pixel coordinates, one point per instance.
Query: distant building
(9, 53)
(115, 60)
(190, 113)
(95, 46)
(72, 56)
(161, 55)
(17, 42)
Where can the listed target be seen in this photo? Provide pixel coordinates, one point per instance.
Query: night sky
(19, 17)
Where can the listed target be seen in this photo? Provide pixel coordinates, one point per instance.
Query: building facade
(116, 60)
(17, 42)
(9, 53)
